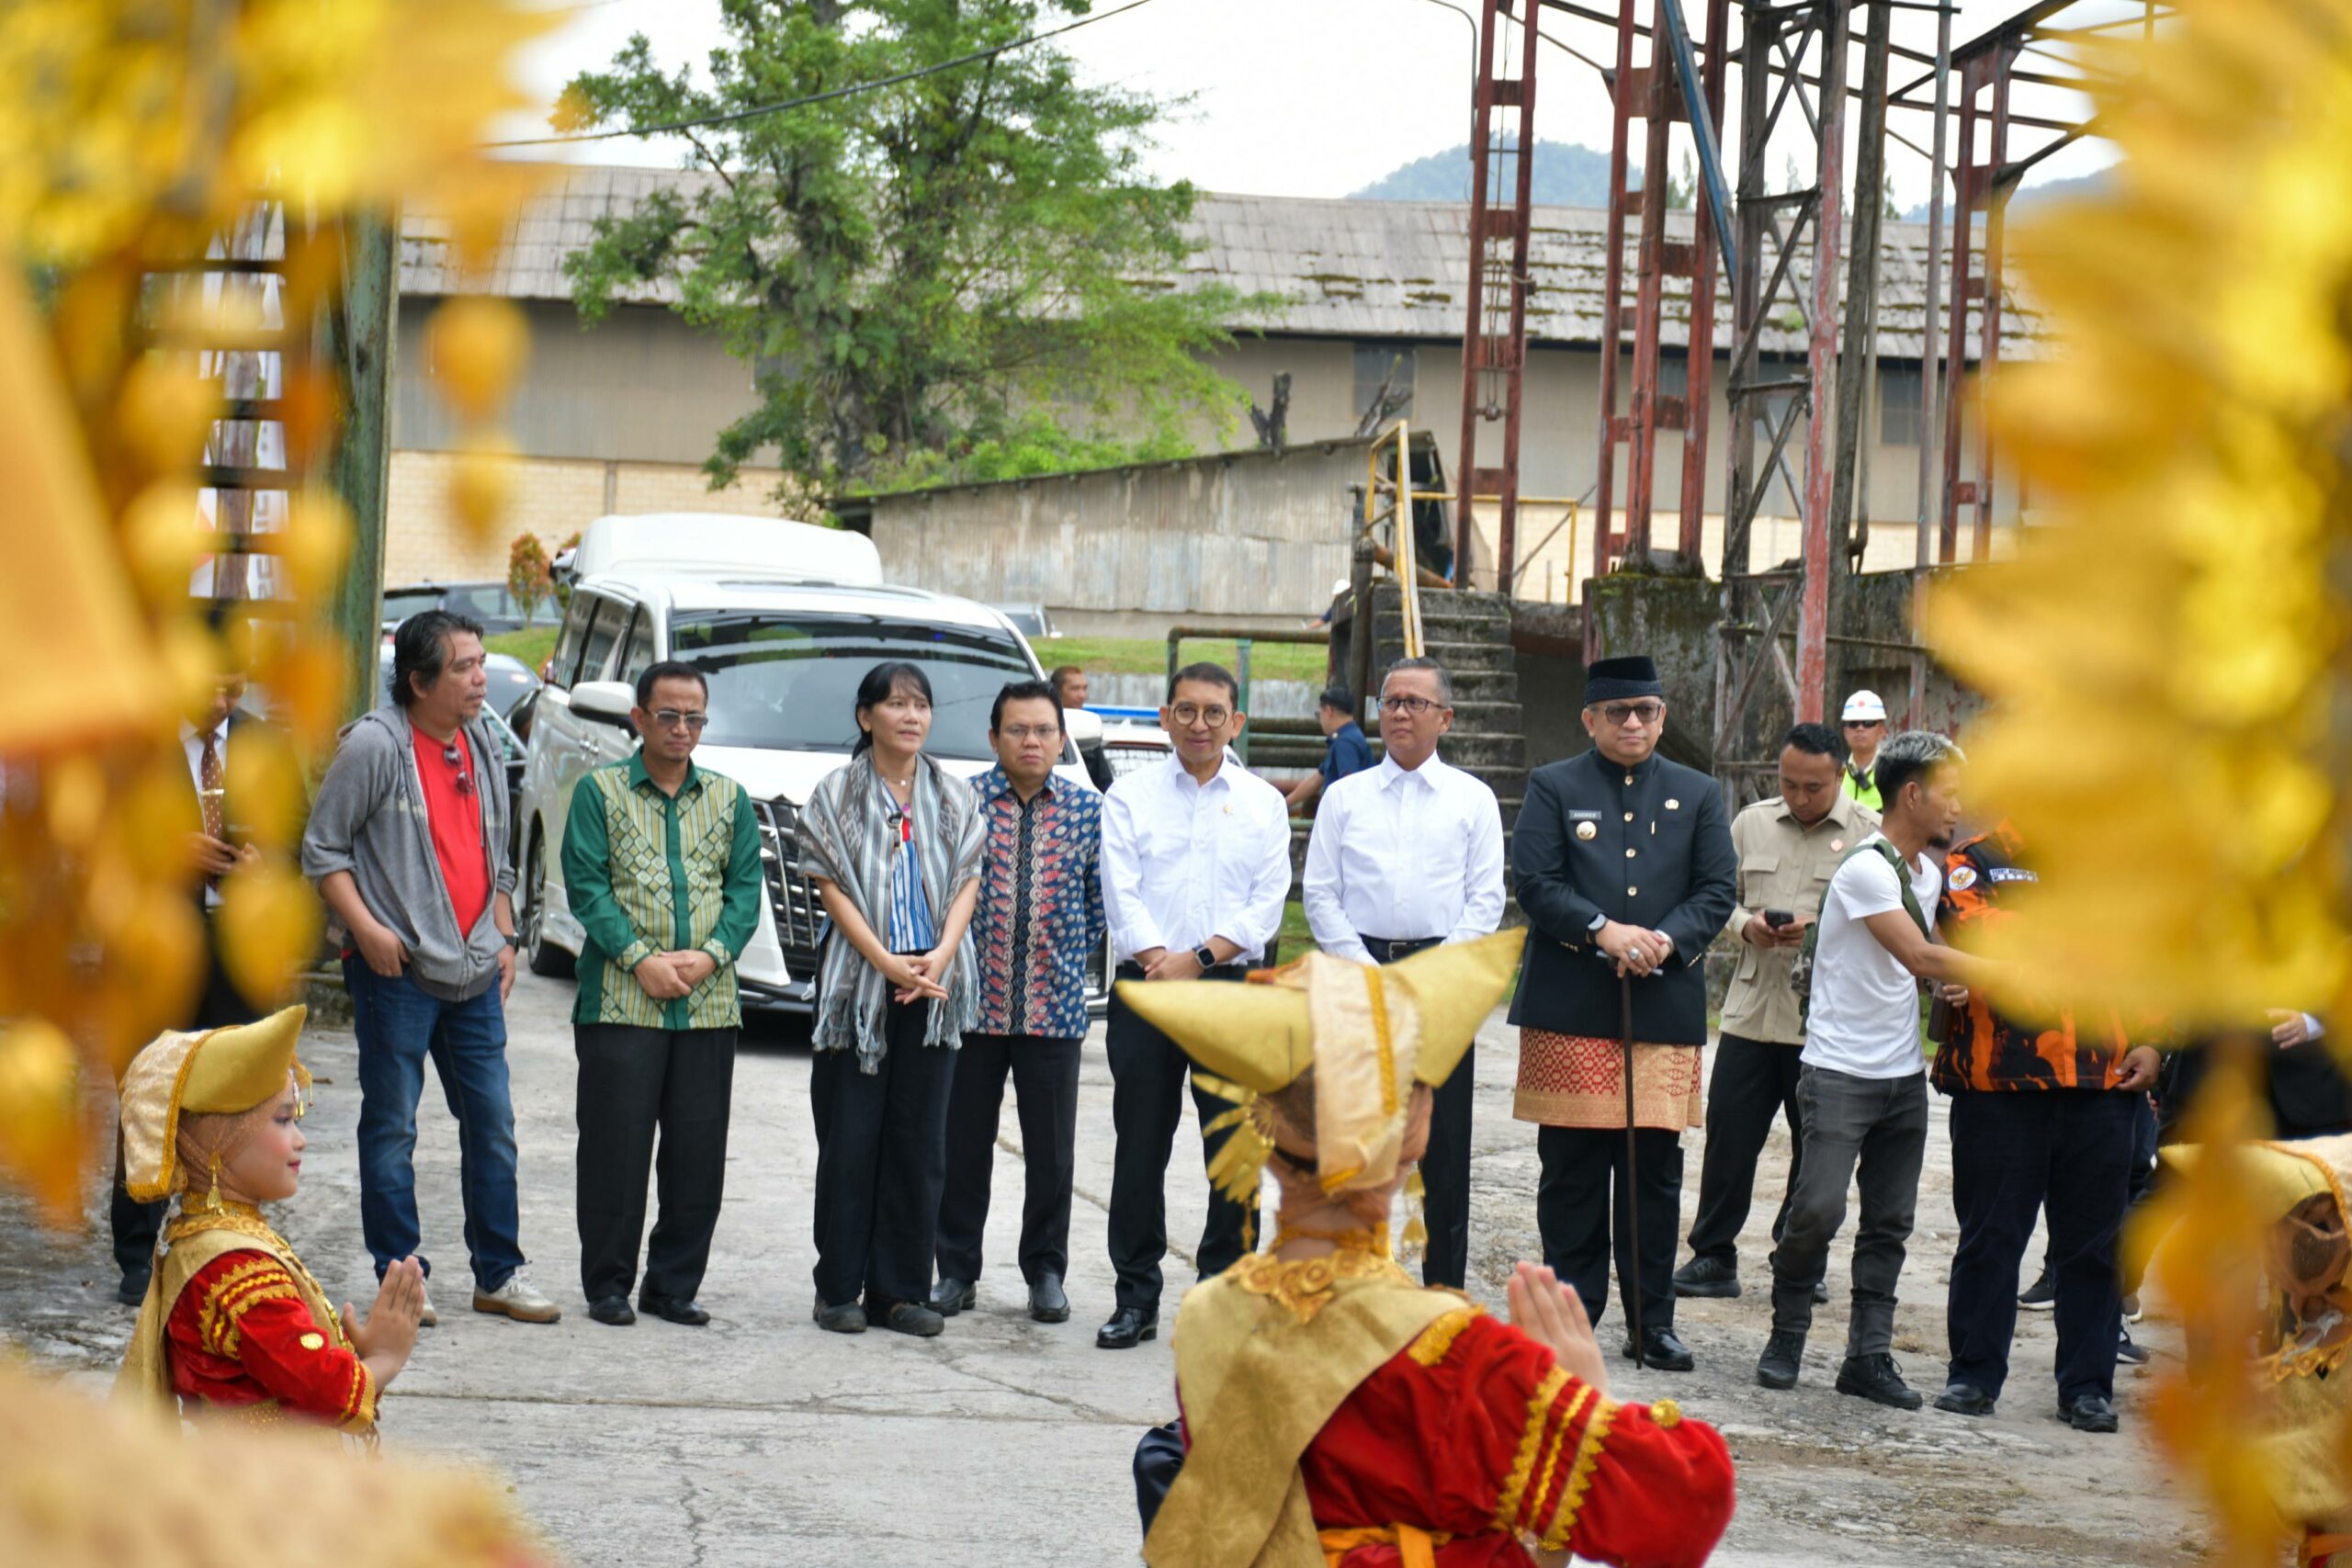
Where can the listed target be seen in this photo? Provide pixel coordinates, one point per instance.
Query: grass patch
(1105, 655)
(532, 645)
(1146, 656)
(1297, 937)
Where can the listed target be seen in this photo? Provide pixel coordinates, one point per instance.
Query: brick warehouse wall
(552, 497)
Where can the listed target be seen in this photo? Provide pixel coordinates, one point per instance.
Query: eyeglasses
(1864, 723)
(1188, 715)
(671, 719)
(1647, 713)
(450, 755)
(1414, 706)
(1022, 734)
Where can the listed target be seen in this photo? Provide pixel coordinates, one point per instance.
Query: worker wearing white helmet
(1864, 724)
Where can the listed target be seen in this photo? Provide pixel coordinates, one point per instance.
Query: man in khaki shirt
(1787, 850)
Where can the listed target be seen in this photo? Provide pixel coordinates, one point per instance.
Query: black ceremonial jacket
(1647, 846)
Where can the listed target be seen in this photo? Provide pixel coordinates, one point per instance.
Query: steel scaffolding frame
(1654, 93)
(1494, 339)
(1782, 255)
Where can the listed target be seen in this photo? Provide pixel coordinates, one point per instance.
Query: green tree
(961, 275)
(1682, 186)
(529, 575)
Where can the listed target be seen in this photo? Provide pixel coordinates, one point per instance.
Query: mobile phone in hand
(1776, 918)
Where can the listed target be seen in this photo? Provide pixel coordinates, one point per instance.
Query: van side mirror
(609, 701)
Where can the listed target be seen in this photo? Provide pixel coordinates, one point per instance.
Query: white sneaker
(517, 1299)
(427, 1317)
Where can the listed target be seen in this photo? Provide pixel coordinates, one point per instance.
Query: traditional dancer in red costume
(234, 1324)
(1335, 1415)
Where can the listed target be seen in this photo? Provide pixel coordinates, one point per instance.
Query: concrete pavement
(762, 1439)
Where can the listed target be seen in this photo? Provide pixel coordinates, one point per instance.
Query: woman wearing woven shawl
(233, 1325)
(1335, 1413)
(893, 843)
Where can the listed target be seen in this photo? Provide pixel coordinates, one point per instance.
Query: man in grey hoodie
(407, 842)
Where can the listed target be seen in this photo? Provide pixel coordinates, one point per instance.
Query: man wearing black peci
(1624, 863)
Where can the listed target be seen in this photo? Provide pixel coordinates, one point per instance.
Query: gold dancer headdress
(214, 1070)
(1369, 1032)
(2282, 1175)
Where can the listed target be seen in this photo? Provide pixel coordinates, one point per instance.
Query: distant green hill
(2029, 197)
(1567, 174)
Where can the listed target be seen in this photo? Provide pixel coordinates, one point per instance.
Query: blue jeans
(398, 1026)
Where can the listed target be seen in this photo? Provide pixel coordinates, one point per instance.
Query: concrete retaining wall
(1253, 539)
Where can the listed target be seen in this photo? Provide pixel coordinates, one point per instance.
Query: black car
(492, 603)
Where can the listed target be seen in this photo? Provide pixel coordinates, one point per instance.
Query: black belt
(1388, 950)
(1232, 969)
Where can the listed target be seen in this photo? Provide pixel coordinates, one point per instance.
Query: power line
(757, 110)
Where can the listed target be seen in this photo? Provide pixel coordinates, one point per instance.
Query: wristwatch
(1206, 958)
(514, 939)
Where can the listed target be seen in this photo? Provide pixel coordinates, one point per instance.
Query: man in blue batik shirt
(1039, 917)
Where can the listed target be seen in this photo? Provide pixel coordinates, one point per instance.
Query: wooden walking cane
(1632, 1190)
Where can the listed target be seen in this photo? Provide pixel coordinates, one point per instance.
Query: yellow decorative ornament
(1370, 1033)
(2170, 653)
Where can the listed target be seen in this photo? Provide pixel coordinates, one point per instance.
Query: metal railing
(1242, 638)
(1405, 548)
(1391, 501)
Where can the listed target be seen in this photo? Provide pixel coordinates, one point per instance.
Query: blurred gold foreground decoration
(140, 139)
(2173, 728)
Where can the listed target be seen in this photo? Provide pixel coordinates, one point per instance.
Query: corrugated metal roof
(1355, 269)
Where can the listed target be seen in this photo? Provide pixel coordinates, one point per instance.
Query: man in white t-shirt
(1862, 1089)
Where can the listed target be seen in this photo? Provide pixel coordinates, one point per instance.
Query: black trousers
(1752, 1079)
(2010, 1153)
(633, 1083)
(1582, 1169)
(136, 1226)
(1147, 1074)
(1445, 1166)
(881, 1162)
(1044, 1088)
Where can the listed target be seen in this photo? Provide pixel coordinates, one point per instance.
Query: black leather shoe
(614, 1310)
(847, 1318)
(1783, 1354)
(1964, 1399)
(1662, 1350)
(1128, 1327)
(1046, 1301)
(1709, 1277)
(912, 1317)
(1821, 1292)
(951, 1296)
(688, 1313)
(2090, 1413)
(132, 1291)
(1878, 1380)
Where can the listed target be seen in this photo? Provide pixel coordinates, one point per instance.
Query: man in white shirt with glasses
(1195, 870)
(1405, 856)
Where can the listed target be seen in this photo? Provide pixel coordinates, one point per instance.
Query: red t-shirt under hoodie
(453, 811)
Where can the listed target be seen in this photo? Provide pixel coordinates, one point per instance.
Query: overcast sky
(1289, 98)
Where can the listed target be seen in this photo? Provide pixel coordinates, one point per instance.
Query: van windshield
(790, 681)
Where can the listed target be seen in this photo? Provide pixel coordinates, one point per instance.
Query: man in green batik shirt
(661, 863)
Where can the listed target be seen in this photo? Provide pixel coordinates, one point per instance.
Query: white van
(784, 619)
